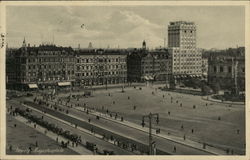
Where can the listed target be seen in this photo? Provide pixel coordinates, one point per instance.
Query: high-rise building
(182, 34)
(186, 58)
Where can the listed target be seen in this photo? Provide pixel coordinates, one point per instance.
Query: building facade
(146, 65)
(45, 66)
(227, 69)
(101, 67)
(186, 58)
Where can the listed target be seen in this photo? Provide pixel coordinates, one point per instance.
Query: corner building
(45, 66)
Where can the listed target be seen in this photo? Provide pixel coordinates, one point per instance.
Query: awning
(150, 77)
(32, 85)
(64, 83)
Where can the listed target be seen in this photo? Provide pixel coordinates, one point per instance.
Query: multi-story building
(100, 66)
(146, 64)
(227, 69)
(186, 58)
(204, 68)
(45, 66)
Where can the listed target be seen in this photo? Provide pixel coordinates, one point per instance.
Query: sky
(122, 26)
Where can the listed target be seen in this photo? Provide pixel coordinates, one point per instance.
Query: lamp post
(150, 140)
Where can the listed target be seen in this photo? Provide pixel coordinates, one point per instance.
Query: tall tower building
(186, 58)
(182, 34)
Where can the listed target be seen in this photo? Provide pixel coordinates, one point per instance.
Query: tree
(205, 89)
(216, 87)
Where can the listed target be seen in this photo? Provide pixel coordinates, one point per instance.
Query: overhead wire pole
(150, 140)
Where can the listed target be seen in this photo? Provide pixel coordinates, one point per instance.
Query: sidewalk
(78, 127)
(209, 98)
(79, 149)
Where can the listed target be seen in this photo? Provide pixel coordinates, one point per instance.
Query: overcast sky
(217, 27)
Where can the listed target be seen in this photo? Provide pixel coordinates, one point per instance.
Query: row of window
(50, 73)
(227, 69)
(50, 59)
(44, 79)
(56, 66)
(193, 71)
(91, 60)
(101, 73)
(188, 64)
(101, 67)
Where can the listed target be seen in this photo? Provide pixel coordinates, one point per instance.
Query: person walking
(174, 149)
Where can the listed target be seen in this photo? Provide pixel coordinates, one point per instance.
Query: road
(121, 131)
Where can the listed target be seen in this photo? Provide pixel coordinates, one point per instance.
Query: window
(229, 69)
(221, 69)
(215, 69)
(243, 69)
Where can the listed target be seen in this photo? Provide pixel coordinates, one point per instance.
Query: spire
(90, 45)
(24, 42)
(143, 44)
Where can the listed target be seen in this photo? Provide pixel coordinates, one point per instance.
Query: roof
(92, 51)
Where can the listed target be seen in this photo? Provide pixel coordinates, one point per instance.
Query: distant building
(101, 67)
(186, 58)
(148, 65)
(45, 66)
(204, 68)
(227, 69)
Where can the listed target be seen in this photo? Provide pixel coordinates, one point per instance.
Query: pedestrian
(56, 139)
(89, 120)
(134, 107)
(169, 113)
(30, 149)
(128, 97)
(204, 145)
(192, 130)
(184, 137)
(10, 148)
(122, 119)
(174, 149)
(238, 131)
(34, 125)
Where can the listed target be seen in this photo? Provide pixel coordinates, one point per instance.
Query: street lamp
(151, 143)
